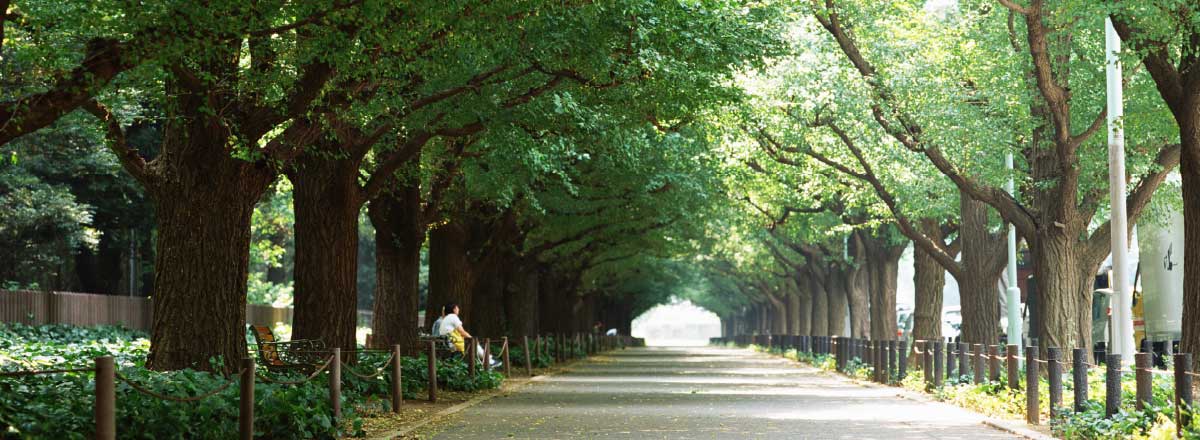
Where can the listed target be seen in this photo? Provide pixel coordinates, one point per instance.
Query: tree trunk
(1064, 282)
(837, 292)
(929, 280)
(1189, 168)
(819, 311)
(983, 261)
(451, 272)
(327, 205)
(203, 204)
(521, 301)
(855, 283)
(883, 263)
(793, 312)
(399, 234)
(778, 309)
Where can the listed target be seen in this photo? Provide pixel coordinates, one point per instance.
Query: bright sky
(680, 323)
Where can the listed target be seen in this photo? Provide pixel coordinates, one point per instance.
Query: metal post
(1014, 380)
(902, 360)
(335, 383)
(1032, 405)
(1145, 392)
(433, 381)
(1054, 374)
(246, 401)
(106, 399)
(1012, 297)
(938, 365)
(1080, 373)
(1112, 385)
(397, 382)
(993, 363)
(1122, 310)
(1183, 391)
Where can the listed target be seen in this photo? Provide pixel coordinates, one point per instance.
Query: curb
(472, 402)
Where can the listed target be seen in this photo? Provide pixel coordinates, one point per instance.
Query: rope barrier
(41, 372)
(314, 374)
(377, 372)
(151, 393)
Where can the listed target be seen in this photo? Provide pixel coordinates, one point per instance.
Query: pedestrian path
(707, 393)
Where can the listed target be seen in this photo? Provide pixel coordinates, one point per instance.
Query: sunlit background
(679, 323)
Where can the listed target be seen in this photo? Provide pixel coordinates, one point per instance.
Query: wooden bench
(442, 346)
(303, 355)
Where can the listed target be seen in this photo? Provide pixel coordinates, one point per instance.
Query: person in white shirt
(449, 324)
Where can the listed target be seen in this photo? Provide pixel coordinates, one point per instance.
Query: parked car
(951, 321)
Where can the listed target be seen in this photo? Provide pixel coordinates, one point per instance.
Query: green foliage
(60, 405)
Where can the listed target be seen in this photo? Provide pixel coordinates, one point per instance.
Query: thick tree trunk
(837, 305)
(521, 301)
(983, 262)
(327, 204)
(856, 286)
(777, 307)
(1064, 283)
(883, 263)
(451, 272)
(489, 319)
(203, 205)
(929, 280)
(1189, 168)
(819, 311)
(793, 312)
(804, 308)
(399, 234)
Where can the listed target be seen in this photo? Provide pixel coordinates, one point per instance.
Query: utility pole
(1122, 315)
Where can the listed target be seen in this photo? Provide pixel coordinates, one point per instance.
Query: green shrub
(60, 406)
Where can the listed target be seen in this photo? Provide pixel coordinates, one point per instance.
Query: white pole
(1013, 299)
(1123, 310)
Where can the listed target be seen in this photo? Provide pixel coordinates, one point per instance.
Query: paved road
(707, 393)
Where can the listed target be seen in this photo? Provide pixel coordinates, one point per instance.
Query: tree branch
(1099, 244)
(130, 160)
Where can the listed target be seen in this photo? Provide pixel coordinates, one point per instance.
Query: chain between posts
(312, 376)
(349, 369)
(141, 389)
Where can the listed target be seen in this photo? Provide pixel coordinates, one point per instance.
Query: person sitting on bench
(450, 325)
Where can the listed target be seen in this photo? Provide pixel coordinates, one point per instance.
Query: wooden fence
(37, 307)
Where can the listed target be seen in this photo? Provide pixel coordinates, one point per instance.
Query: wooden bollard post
(1080, 374)
(106, 399)
(335, 383)
(979, 368)
(1032, 404)
(1112, 385)
(433, 381)
(487, 355)
(938, 364)
(902, 360)
(507, 364)
(881, 356)
(891, 361)
(927, 363)
(397, 380)
(472, 354)
(1145, 390)
(1014, 367)
(528, 358)
(993, 363)
(1054, 374)
(964, 363)
(951, 358)
(246, 401)
(1183, 391)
